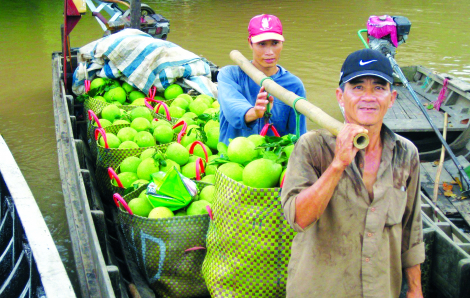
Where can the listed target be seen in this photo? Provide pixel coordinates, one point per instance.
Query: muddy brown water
(319, 35)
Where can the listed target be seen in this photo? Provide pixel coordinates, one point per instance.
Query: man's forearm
(312, 201)
(413, 277)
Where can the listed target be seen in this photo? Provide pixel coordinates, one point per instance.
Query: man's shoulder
(407, 145)
(318, 137)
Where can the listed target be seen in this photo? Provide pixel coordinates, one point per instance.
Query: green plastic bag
(171, 190)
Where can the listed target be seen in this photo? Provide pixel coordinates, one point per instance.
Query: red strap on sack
(92, 115)
(199, 168)
(183, 130)
(191, 149)
(265, 128)
(87, 85)
(157, 108)
(99, 131)
(118, 199)
(112, 175)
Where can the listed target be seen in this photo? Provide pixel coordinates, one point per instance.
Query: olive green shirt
(358, 247)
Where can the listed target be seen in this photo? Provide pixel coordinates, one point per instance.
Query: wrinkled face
(366, 100)
(266, 53)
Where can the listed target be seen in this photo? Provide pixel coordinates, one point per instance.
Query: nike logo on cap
(362, 63)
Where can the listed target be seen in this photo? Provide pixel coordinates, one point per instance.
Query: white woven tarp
(142, 61)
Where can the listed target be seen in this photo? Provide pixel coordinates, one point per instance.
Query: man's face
(366, 100)
(266, 53)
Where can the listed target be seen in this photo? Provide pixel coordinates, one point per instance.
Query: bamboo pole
(304, 107)
(441, 162)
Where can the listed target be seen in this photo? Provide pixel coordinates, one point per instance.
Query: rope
(426, 81)
(268, 112)
(442, 95)
(297, 117)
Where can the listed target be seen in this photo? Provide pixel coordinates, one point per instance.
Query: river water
(319, 35)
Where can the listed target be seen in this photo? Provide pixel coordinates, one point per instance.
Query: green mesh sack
(169, 252)
(248, 242)
(93, 117)
(112, 157)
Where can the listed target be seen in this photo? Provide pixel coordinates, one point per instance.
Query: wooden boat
(102, 260)
(30, 265)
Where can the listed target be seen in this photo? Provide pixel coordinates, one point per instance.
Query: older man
(357, 211)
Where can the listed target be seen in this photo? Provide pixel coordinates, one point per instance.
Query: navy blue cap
(366, 62)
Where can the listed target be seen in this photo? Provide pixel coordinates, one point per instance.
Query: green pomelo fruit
(288, 150)
(128, 145)
(197, 208)
(282, 176)
(170, 164)
(241, 150)
(140, 182)
(198, 151)
(139, 102)
(130, 164)
(140, 206)
(262, 173)
(156, 123)
(126, 134)
(112, 139)
(212, 157)
(189, 115)
(111, 113)
(198, 107)
(189, 121)
(189, 139)
(211, 111)
(127, 87)
(180, 103)
(215, 104)
(141, 112)
(193, 158)
(181, 212)
(121, 121)
(172, 91)
(135, 94)
(211, 169)
(213, 137)
(116, 94)
(207, 194)
(232, 170)
(116, 103)
(100, 98)
(96, 83)
(222, 148)
(176, 112)
(205, 98)
(147, 167)
(104, 123)
(160, 212)
(143, 194)
(209, 178)
(163, 134)
(127, 178)
(147, 153)
(189, 170)
(140, 124)
(258, 140)
(179, 128)
(186, 97)
(177, 153)
(210, 124)
(144, 139)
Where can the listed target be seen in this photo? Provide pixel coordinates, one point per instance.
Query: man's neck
(375, 141)
(268, 71)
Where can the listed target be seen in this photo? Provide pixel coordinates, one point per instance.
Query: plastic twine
(426, 81)
(268, 112)
(442, 95)
(297, 117)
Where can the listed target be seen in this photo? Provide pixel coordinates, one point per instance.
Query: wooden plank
(54, 278)
(428, 176)
(90, 265)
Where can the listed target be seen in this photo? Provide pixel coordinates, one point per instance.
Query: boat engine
(385, 33)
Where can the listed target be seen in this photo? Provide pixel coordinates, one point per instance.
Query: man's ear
(339, 96)
(394, 96)
(250, 43)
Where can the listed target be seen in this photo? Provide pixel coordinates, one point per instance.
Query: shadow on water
(319, 35)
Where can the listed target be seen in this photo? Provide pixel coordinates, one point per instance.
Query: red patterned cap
(265, 27)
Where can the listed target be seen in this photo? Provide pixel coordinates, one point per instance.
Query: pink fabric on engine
(378, 28)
